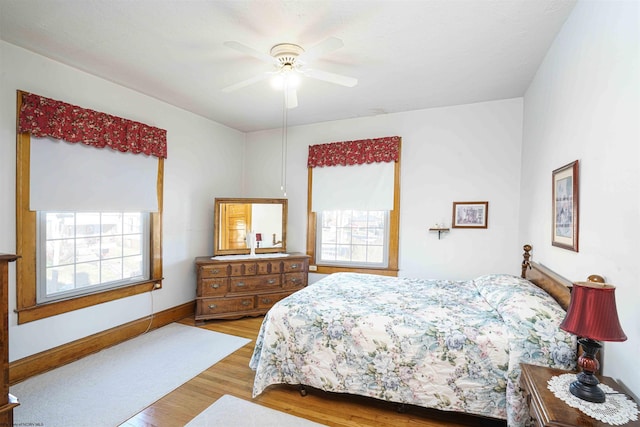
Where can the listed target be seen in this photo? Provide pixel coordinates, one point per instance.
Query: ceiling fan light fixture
(290, 62)
(286, 55)
(286, 78)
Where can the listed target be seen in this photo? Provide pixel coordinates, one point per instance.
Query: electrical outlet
(313, 268)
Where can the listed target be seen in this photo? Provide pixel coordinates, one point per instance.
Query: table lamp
(258, 238)
(593, 317)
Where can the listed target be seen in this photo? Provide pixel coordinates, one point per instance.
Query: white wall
(204, 161)
(461, 153)
(583, 104)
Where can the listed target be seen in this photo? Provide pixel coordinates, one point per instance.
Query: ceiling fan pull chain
(283, 178)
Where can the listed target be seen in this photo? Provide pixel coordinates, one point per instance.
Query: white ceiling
(407, 55)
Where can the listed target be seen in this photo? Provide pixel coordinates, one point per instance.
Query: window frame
(394, 232)
(27, 307)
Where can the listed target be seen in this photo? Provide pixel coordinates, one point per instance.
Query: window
(354, 238)
(80, 252)
(353, 210)
(71, 257)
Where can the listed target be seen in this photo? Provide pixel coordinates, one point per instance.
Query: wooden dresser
(230, 289)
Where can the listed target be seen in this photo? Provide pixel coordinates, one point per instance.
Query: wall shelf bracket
(440, 231)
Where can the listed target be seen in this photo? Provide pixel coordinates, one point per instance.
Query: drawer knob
(240, 284)
(212, 306)
(266, 300)
(271, 281)
(294, 280)
(215, 271)
(215, 285)
(246, 302)
(294, 266)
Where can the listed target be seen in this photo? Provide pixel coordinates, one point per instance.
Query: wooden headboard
(554, 284)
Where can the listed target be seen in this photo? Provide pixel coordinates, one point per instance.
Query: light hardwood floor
(233, 376)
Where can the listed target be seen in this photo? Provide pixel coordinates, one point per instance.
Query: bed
(448, 345)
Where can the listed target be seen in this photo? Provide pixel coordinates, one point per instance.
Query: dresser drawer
(254, 284)
(269, 267)
(208, 271)
(213, 287)
(243, 269)
(226, 305)
(295, 280)
(291, 266)
(264, 267)
(268, 300)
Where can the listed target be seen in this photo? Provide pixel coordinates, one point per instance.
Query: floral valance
(349, 153)
(44, 117)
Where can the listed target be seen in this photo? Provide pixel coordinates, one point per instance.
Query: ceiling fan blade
(331, 77)
(250, 51)
(245, 83)
(291, 98)
(320, 49)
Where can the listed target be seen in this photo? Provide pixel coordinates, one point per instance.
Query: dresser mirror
(235, 220)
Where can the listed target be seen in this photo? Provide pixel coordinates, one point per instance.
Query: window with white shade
(89, 203)
(354, 206)
(93, 232)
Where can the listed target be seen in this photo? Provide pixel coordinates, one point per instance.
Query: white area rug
(109, 387)
(231, 411)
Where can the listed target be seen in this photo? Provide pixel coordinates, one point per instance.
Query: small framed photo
(565, 207)
(470, 214)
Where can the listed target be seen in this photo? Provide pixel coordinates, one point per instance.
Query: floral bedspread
(450, 345)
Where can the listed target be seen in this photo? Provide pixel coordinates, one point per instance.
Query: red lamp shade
(258, 237)
(592, 312)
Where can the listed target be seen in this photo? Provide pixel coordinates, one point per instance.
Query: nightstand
(547, 410)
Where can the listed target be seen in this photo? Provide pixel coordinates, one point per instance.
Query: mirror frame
(216, 225)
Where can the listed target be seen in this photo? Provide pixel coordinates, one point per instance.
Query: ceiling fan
(290, 62)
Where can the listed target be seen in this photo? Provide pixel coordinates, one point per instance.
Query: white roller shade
(360, 187)
(77, 177)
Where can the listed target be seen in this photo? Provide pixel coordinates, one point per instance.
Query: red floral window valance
(349, 153)
(43, 117)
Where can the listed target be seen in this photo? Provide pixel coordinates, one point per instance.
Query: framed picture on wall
(565, 207)
(470, 214)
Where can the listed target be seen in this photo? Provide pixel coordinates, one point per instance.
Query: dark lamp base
(586, 385)
(588, 392)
